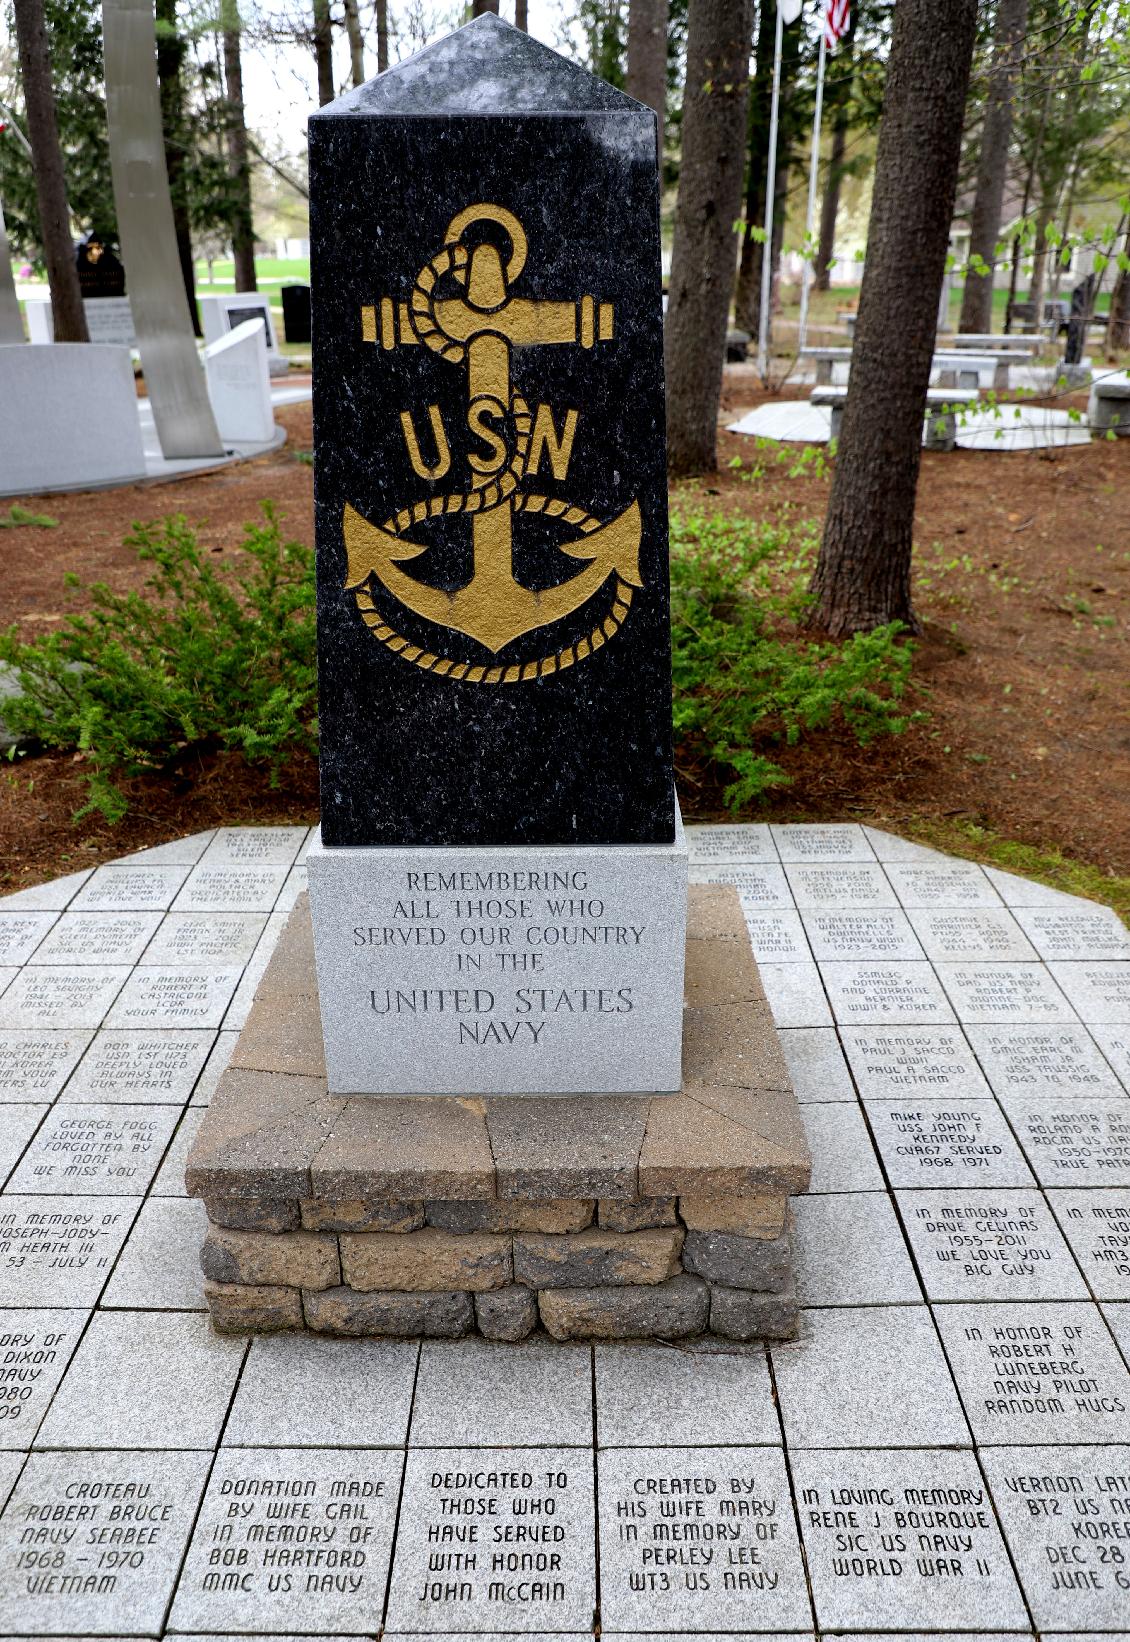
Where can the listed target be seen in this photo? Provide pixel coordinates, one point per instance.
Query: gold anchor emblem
(479, 324)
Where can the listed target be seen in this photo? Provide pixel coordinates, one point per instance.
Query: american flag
(837, 15)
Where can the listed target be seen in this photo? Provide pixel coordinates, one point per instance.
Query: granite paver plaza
(944, 1447)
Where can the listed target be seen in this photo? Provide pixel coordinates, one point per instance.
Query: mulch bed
(1023, 582)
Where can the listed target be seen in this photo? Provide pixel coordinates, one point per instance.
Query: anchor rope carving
(494, 608)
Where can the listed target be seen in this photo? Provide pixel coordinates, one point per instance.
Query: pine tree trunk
(830, 203)
(1118, 333)
(747, 298)
(841, 70)
(1038, 283)
(992, 165)
(324, 52)
(479, 6)
(704, 250)
(171, 48)
(356, 43)
(521, 15)
(862, 577)
(647, 56)
(50, 182)
(382, 36)
(239, 165)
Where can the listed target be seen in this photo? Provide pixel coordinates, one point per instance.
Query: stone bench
(941, 407)
(825, 359)
(956, 367)
(962, 368)
(1108, 409)
(994, 342)
(601, 1216)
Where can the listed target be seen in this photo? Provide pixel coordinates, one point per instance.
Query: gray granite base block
(489, 970)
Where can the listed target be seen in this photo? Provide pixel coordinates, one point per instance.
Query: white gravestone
(239, 385)
(109, 320)
(68, 418)
(221, 314)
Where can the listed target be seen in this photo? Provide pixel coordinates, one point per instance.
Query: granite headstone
(499, 888)
(488, 410)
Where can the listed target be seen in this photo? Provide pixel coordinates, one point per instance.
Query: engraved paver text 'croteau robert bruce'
(494, 638)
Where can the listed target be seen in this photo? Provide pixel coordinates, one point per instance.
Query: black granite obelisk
(490, 469)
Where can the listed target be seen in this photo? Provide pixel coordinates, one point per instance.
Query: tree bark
(521, 14)
(382, 36)
(992, 164)
(647, 56)
(862, 577)
(356, 44)
(239, 164)
(50, 181)
(171, 48)
(704, 248)
(747, 298)
(1118, 332)
(843, 68)
(1038, 282)
(830, 203)
(324, 52)
(479, 6)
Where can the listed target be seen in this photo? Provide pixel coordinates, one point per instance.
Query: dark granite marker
(490, 468)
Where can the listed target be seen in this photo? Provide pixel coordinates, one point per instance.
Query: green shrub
(205, 656)
(208, 656)
(743, 678)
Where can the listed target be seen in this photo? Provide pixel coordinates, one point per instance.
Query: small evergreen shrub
(211, 656)
(743, 678)
(206, 655)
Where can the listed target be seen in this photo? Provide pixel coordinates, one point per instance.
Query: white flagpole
(767, 247)
(813, 167)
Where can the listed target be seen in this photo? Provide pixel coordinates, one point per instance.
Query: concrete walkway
(945, 1449)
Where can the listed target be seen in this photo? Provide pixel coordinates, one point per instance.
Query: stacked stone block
(595, 1217)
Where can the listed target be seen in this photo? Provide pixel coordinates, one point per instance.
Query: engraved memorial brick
(157, 1066)
(99, 1579)
(104, 1149)
(1097, 1225)
(1036, 1373)
(297, 1538)
(989, 1245)
(1074, 1142)
(931, 1141)
(58, 1251)
(1064, 1514)
(703, 1536)
(34, 1065)
(1048, 1061)
(35, 1348)
(494, 1536)
(909, 1062)
(905, 1541)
